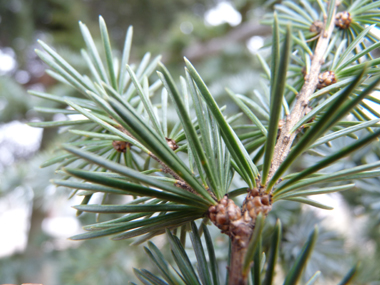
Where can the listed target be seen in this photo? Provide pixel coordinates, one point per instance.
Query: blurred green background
(221, 39)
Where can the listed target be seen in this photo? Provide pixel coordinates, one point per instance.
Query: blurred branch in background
(240, 34)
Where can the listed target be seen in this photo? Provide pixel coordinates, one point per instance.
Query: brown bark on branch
(236, 264)
(300, 108)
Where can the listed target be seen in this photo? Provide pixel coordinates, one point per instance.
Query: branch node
(172, 143)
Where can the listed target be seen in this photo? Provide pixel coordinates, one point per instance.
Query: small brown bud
(220, 208)
(120, 146)
(281, 123)
(316, 27)
(221, 219)
(265, 200)
(343, 20)
(257, 201)
(250, 205)
(252, 214)
(237, 215)
(172, 144)
(231, 203)
(212, 209)
(232, 212)
(254, 192)
(325, 79)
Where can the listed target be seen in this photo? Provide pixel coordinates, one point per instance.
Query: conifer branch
(171, 143)
(301, 107)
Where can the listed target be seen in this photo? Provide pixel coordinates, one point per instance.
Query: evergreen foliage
(320, 71)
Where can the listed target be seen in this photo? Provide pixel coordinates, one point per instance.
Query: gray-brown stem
(301, 108)
(236, 263)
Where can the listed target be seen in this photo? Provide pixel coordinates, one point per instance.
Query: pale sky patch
(223, 13)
